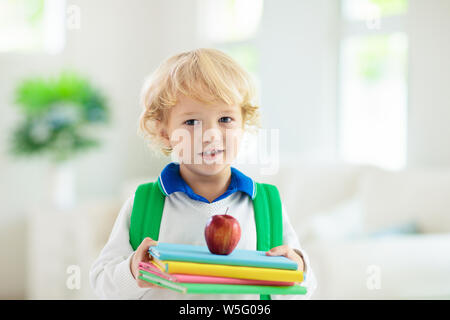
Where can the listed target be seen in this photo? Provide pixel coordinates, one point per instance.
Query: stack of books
(193, 269)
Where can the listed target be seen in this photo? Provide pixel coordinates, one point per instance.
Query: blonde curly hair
(204, 74)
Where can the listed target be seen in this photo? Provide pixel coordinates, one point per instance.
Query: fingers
(279, 251)
(141, 255)
(287, 252)
(146, 243)
(142, 251)
(144, 284)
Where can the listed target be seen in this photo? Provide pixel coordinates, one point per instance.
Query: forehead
(189, 106)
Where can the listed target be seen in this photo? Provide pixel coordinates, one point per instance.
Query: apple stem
(227, 210)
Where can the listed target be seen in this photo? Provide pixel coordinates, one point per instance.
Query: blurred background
(359, 90)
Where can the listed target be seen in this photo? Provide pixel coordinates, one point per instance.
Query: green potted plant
(57, 114)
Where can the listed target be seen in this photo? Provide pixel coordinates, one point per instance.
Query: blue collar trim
(171, 181)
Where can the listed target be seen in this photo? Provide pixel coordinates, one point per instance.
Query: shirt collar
(171, 181)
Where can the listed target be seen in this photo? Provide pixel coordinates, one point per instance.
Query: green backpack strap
(147, 212)
(268, 219)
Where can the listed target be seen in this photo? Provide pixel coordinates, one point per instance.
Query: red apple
(222, 234)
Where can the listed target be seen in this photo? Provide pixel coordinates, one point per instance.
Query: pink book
(190, 278)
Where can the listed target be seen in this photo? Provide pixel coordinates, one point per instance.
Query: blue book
(201, 254)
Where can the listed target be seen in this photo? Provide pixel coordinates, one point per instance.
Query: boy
(196, 106)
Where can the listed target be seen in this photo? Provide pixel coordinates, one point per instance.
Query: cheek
(233, 138)
(182, 139)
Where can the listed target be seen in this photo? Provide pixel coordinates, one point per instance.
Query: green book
(208, 288)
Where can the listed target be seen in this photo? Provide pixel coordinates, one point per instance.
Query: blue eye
(191, 122)
(227, 119)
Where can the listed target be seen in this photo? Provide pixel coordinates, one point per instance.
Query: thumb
(142, 251)
(277, 251)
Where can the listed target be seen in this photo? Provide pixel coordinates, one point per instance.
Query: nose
(212, 133)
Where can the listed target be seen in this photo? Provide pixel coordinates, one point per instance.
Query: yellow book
(228, 271)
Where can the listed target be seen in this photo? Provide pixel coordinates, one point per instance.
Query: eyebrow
(188, 113)
(229, 110)
(195, 113)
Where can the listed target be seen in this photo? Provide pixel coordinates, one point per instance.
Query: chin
(207, 168)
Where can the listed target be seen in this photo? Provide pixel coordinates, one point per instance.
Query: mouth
(212, 154)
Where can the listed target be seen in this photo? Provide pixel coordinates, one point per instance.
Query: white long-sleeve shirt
(183, 221)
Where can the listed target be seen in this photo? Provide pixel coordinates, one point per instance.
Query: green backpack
(148, 207)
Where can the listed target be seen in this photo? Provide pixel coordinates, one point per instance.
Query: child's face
(193, 127)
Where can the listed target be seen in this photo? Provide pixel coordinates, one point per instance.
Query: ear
(163, 134)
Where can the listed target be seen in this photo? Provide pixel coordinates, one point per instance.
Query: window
(373, 83)
(231, 26)
(229, 20)
(32, 26)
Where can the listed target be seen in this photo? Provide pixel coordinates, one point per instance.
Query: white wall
(429, 83)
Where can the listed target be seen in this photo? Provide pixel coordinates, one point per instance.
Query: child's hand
(141, 255)
(287, 252)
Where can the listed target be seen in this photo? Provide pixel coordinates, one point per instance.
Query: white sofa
(370, 233)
